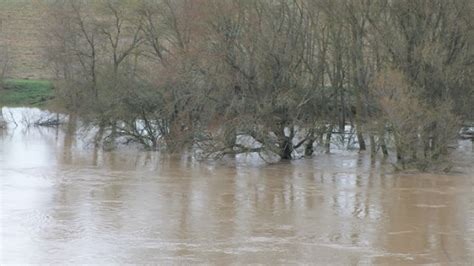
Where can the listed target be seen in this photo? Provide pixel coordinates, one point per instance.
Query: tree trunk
(360, 139)
(399, 150)
(328, 140)
(383, 145)
(113, 135)
(342, 113)
(230, 137)
(99, 135)
(286, 149)
(309, 149)
(373, 148)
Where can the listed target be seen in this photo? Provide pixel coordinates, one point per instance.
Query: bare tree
(272, 77)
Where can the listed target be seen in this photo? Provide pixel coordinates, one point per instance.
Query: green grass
(23, 92)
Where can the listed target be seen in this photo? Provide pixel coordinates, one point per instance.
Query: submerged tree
(274, 77)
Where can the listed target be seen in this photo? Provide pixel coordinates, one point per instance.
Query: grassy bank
(19, 92)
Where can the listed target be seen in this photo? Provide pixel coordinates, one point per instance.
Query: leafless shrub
(421, 132)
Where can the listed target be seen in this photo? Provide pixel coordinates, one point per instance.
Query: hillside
(21, 24)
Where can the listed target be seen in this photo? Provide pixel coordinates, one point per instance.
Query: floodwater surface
(62, 201)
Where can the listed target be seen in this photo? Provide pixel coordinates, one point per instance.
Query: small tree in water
(421, 132)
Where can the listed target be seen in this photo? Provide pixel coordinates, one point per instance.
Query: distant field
(26, 93)
(21, 26)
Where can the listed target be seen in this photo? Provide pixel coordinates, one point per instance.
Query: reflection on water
(62, 201)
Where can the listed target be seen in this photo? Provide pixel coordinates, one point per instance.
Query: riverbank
(26, 92)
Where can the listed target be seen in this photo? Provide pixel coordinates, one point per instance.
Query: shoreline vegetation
(26, 93)
(273, 78)
(41, 94)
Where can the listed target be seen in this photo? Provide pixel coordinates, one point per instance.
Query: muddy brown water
(63, 202)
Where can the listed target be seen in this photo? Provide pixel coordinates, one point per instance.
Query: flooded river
(62, 201)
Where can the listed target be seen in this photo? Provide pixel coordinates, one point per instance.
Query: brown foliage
(238, 76)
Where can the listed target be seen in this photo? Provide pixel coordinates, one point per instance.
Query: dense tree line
(269, 76)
